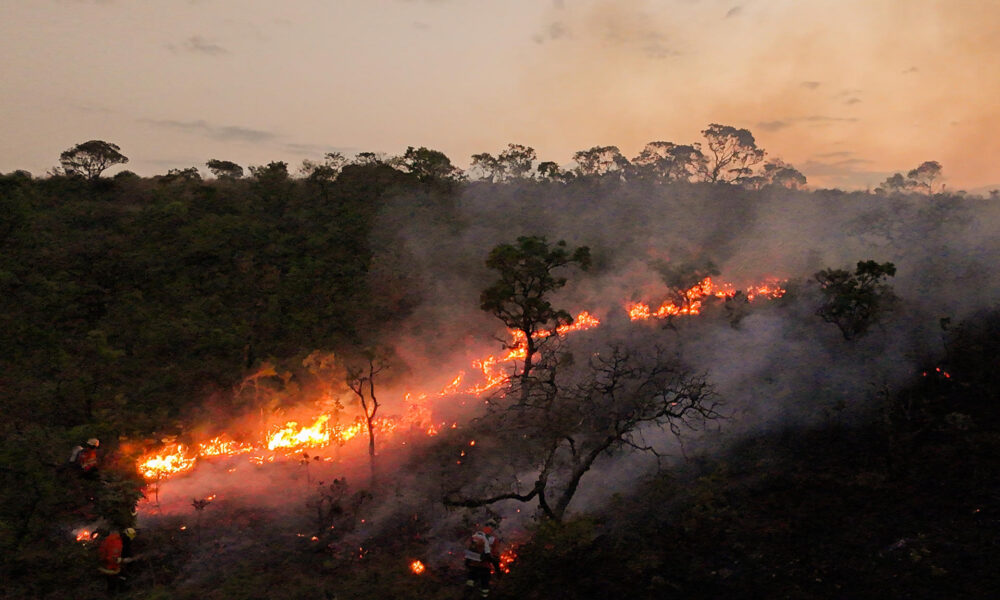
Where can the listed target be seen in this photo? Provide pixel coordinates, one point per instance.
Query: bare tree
(576, 414)
(361, 380)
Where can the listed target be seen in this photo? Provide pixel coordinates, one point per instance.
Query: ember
(507, 558)
(85, 535)
(417, 567)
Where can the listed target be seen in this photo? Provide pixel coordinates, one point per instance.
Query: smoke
(775, 363)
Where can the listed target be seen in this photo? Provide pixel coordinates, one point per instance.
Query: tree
(326, 171)
(188, 175)
(224, 169)
(581, 410)
(275, 171)
(599, 161)
(856, 301)
(520, 297)
(517, 161)
(732, 153)
(553, 172)
(919, 179)
(779, 173)
(92, 158)
(924, 175)
(488, 166)
(361, 380)
(513, 163)
(668, 162)
(373, 158)
(429, 165)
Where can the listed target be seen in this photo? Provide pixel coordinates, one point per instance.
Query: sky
(848, 91)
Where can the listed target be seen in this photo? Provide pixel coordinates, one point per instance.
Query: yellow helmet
(94, 442)
(129, 532)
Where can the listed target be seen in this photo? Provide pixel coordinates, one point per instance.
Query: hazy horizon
(849, 92)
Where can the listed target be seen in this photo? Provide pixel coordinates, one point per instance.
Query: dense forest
(838, 440)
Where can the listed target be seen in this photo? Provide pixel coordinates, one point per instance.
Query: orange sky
(846, 90)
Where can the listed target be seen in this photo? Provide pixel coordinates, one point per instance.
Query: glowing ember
(507, 558)
(452, 387)
(417, 567)
(85, 535)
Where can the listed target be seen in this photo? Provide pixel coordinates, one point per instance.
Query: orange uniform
(109, 554)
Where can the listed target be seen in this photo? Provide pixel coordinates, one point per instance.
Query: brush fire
(288, 440)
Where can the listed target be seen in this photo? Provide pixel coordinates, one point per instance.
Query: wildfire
(417, 567)
(291, 438)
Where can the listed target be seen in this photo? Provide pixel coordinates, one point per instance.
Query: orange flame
(694, 297)
(220, 446)
(293, 436)
(171, 460)
(417, 567)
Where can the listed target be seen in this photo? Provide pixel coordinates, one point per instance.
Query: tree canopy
(91, 158)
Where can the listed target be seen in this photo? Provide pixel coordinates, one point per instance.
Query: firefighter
(85, 457)
(114, 551)
(482, 559)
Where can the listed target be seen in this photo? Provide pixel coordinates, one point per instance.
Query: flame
(171, 460)
(293, 436)
(417, 567)
(220, 446)
(693, 299)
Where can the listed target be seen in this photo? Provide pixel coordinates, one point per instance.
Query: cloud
(773, 125)
(810, 84)
(822, 119)
(199, 45)
(225, 133)
(734, 12)
(779, 124)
